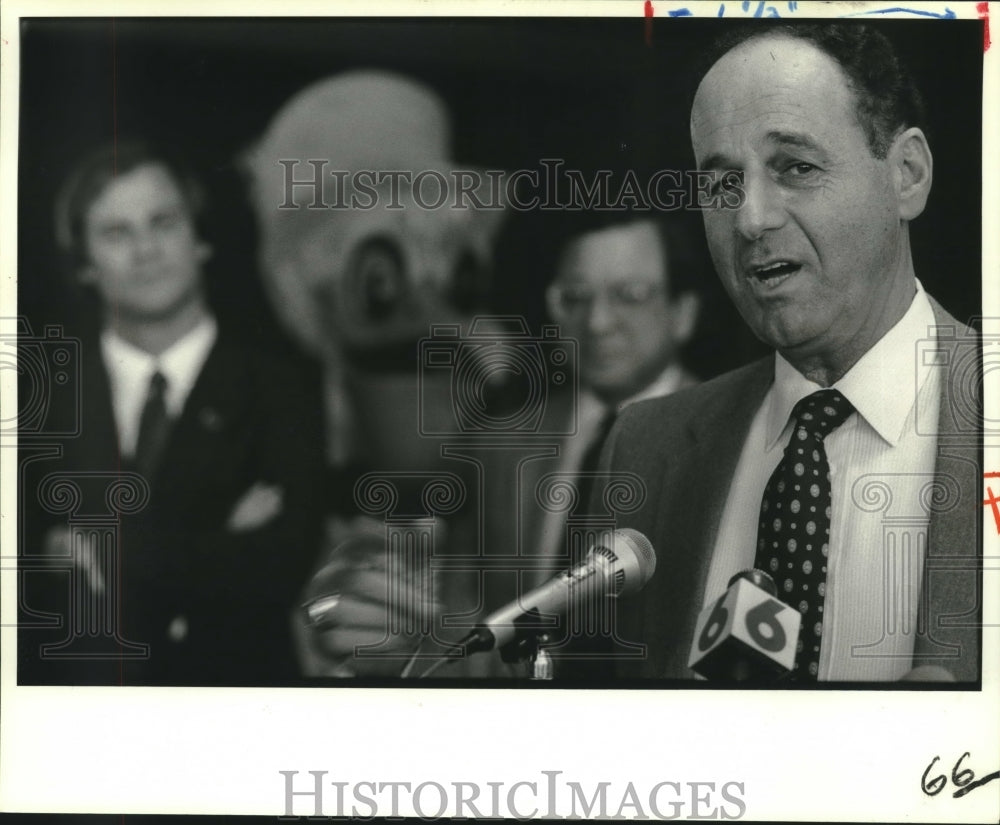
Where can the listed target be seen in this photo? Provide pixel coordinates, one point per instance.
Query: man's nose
(146, 242)
(762, 207)
(600, 314)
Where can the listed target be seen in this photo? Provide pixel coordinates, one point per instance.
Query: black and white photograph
(384, 393)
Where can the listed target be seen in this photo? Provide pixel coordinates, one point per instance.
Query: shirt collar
(590, 412)
(664, 384)
(882, 385)
(180, 363)
(125, 358)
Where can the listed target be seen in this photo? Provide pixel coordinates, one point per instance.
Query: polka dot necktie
(793, 538)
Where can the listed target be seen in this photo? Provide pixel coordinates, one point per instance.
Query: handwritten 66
(960, 778)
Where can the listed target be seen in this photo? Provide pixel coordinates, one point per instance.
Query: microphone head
(631, 558)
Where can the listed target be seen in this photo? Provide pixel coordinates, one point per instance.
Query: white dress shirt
(881, 463)
(130, 370)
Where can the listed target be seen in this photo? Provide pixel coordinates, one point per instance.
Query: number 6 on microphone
(746, 635)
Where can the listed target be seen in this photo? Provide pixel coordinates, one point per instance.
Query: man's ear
(913, 168)
(684, 316)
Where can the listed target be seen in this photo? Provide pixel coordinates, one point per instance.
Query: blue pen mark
(679, 13)
(947, 14)
(762, 9)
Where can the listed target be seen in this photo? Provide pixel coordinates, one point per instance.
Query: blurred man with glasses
(625, 289)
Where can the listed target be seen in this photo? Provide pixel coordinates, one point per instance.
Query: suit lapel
(691, 507)
(97, 447)
(212, 417)
(953, 530)
(719, 435)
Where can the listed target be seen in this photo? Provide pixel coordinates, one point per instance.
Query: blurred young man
(227, 436)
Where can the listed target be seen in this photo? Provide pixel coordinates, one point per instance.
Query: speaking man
(797, 464)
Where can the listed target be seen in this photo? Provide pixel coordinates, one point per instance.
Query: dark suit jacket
(251, 417)
(545, 458)
(686, 447)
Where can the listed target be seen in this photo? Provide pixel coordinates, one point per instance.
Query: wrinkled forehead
(771, 83)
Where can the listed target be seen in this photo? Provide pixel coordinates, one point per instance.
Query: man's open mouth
(774, 273)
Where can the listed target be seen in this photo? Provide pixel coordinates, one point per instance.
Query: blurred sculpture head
(360, 259)
(367, 237)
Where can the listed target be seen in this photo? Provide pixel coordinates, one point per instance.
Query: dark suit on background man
(542, 532)
(252, 418)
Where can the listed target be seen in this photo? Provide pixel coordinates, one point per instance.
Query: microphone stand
(526, 649)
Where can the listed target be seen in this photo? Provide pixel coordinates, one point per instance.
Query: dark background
(611, 93)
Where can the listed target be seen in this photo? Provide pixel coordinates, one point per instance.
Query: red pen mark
(993, 500)
(984, 14)
(648, 14)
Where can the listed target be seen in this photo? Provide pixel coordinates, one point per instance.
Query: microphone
(620, 564)
(748, 634)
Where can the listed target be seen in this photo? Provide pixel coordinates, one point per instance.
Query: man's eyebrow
(795, 140)
(790, 140)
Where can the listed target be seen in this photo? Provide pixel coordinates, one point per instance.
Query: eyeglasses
(567, 300)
